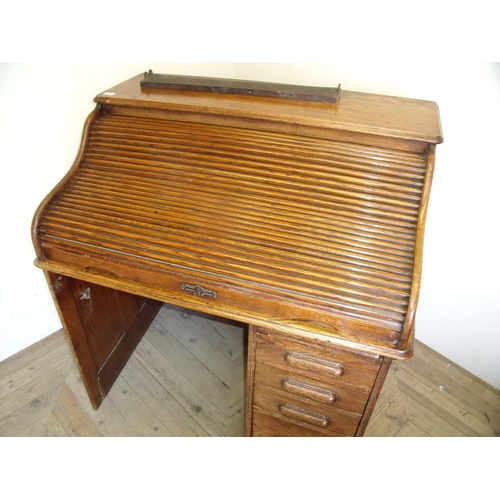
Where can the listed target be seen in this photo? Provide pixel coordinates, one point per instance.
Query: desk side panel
(104, 327)
(61, 185)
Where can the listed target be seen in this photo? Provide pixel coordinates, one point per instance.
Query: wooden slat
(333, 223)
(162, 403)
(193, 401)
(468, 396)
(136, 411)
(47, 426)
(33, 370)
(409, 429)
(452, 413)
(73, 418)
(20, 421)
(107, 417)
(33, 354)
(46, 380)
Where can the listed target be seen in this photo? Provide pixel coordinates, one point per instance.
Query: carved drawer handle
(309, 391)
(306, 416)
(309, 363)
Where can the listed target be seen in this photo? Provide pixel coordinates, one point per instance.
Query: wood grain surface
(199, 390)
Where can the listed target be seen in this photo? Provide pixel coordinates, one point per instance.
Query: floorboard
(187, 378)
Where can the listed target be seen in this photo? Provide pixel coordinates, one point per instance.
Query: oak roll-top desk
(299, 213)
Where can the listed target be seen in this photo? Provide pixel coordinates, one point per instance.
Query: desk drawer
(330, 392)
(303, 411)
(267, 424)
(329, 365)
(297, 385)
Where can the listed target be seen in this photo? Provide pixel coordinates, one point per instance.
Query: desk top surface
(357, 112)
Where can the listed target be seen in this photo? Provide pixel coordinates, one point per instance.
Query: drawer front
(303, 411)
(266, 424)
(329, 392)
(323, 391)
(330, 365)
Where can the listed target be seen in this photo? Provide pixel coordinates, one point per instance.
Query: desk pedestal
(294, 388)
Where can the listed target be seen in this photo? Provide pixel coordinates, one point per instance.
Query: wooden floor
(186, 378)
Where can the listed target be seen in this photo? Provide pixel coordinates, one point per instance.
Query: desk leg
(372, 400)
(250, 381)
(104, 327)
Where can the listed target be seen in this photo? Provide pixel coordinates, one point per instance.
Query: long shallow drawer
(304, 411)
(266, 424)
(342, 396)
(332, 363)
